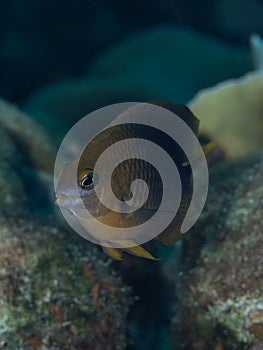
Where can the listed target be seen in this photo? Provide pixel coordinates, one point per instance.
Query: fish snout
(63, 200)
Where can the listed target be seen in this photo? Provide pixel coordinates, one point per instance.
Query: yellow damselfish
(125, 173)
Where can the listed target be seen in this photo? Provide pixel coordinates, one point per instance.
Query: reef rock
(56, 291)
(220, 285)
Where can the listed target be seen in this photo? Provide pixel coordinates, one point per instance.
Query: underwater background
(60, 61)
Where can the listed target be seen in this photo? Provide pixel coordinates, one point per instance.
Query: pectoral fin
(209, 147)
(206, 149)
(136, 250)
(115, 253)
(140, 252)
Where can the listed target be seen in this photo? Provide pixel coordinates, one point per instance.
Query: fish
(123, 176)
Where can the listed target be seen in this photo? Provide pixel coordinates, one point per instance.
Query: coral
(176, 54)
(25, 134)
(168, 63)
(231, 113)
(220, 295)
(7, 147)
(13, 196)
(26, 163)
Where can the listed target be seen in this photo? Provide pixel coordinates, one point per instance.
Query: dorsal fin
(182, 111)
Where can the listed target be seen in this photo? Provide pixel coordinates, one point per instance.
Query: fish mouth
(61, 199)
(66, 201)
(75, 205)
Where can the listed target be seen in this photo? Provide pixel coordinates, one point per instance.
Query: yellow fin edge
(137, 250)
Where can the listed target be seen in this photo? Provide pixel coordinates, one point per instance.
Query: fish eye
(88, 181)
